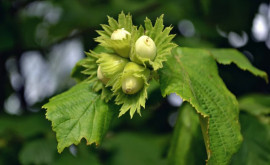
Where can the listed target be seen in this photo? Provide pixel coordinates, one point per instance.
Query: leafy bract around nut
(162, 40)
(101, 76)
(132, 54)
(112, 66)
(131, 84)
(116, 35)
(91, 69)
(132, 102)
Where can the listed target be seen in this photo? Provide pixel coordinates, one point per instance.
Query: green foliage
(36, 26)
(255, 104)
(255, 127)
(255, 148)
(38, 152)
(79, 113)
(133, 149)
(23, 127)
(83, 156)
(196, 80)
(43, 151)
(187, 145)
(228, 56)
(188, 72)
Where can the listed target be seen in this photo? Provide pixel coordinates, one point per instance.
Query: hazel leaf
(193, 75)
(187, 135)
(79, 113)
(228, 56)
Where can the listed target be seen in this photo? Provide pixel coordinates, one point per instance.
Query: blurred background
(40, 42)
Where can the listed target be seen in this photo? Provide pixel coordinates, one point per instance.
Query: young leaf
(79, 113)
(193, 75)
(228, 56)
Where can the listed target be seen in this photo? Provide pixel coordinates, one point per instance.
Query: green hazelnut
(131, 84)
(101, 76)
(111, 64)
(145, 47)
(119, 34)
(132, 67)
(132, 81)
(121, 45)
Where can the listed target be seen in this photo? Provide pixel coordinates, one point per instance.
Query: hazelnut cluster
(129, 57)
(145, 47)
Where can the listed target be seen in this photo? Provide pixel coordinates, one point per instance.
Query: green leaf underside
(193, 75)
(187, 136)
(79, 113)
(228, 56)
